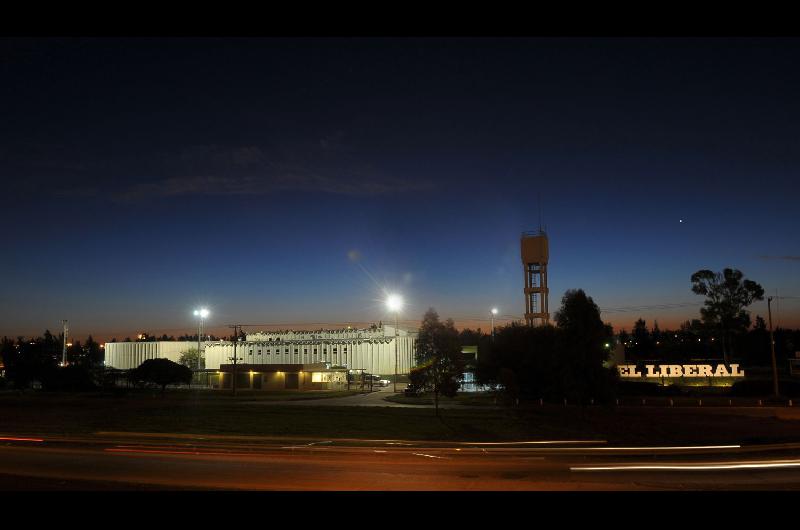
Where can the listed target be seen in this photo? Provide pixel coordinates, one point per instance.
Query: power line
(628, 309)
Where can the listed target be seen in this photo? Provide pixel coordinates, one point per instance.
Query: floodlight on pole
(394, 302)
(494, 313)
(202, 313)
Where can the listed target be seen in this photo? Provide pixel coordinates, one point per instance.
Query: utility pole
(64, 350)
(236, 330)
(772, 349)
(396, 340)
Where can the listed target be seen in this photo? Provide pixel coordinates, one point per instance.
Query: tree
(31, 360)
(727, 296)
(76, 377)
(439, 352)
(94, 354)
(193, 358)
(623, 337)
(655, 335)
(161, 372)
(582, 348)
(552, 362)
(470, 337)
(642, 345)
(756, 344)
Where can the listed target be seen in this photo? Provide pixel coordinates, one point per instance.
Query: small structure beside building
(469, 382)
(300, 377)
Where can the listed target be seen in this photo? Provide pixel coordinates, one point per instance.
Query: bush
(161, 372)
(74, 378)
(763, 388)
(644, 388)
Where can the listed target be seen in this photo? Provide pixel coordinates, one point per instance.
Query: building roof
(309, 367)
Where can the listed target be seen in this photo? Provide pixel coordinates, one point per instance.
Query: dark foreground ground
(184, 440)
(201, 413)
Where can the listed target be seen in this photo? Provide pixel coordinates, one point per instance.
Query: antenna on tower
(540, 212)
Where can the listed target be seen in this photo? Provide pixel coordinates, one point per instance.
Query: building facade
(371, 349)
(275, 377)
(126, 355)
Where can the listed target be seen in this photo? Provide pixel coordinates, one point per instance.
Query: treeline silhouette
(565, 361)
(696, 340)
(38, 359)
(146, 337)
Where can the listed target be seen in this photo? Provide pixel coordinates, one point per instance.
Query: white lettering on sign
(680, 370)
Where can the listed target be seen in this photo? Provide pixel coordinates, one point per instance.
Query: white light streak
(709, 466)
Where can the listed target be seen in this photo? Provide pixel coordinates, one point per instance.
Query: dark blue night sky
(290, 181)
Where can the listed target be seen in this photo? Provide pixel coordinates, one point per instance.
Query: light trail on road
(318, 465)
(706, 466)
(12, 439)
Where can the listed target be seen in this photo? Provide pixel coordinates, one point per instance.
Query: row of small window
(305, 351)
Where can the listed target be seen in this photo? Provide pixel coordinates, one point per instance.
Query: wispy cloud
(251, 185)
(781, 258)
(250, 170)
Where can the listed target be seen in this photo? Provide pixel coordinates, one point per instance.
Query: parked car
(411, 390)
(383, 382)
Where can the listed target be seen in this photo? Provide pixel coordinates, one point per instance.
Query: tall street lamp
(494, 313)
(394, 302)
(201, 314)
(772, 350)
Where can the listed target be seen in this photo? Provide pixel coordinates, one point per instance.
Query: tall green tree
(441, 365)
(193, 358)
(582, 347)
(727, 295)
(553, 362)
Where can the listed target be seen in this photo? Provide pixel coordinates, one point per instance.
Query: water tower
(535, 254)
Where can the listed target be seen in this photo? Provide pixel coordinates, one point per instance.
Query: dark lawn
(204, 413)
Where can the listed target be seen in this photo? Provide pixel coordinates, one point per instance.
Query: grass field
(212, 413)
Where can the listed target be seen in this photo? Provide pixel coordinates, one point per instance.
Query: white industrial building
(372, 350)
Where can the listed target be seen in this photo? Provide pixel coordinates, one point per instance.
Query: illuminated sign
(679, 370)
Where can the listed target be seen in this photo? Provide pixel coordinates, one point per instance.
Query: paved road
(129, 461)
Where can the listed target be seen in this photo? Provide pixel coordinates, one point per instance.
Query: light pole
(64, 350)
(236, 329)
(395, 303)
(494, 312)
(772, 348)
(201, 313)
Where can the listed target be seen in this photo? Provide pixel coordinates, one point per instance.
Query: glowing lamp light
(494, 310)
(202, 313)
(394, 302)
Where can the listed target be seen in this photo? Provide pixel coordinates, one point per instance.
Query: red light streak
(11, 439)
